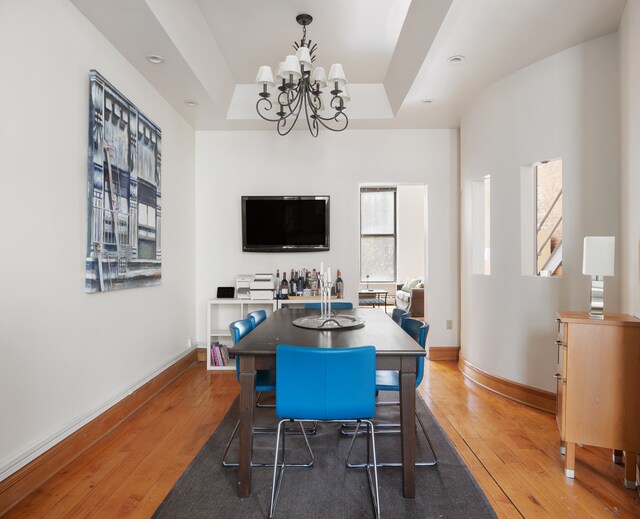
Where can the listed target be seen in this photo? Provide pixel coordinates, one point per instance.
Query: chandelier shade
(265, 76)
(319, 76)
(299, 89)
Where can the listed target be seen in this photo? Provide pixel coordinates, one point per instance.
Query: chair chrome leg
(275, 489)
(276, 483)
(258, 404)
(393, 464)
(373, 486)
(305, 431)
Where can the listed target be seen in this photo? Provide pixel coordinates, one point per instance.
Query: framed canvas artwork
(124, 194)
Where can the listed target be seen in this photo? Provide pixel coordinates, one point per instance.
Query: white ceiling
(394, 52)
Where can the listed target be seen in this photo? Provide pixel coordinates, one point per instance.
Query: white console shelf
(221, 313)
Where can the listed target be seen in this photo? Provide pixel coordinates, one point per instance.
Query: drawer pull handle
(559, 343)
(558, 376)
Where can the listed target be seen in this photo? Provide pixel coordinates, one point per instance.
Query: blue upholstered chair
(265, 381)
(390, 381)
(257, 317)
(398, 315)
(325, 385)
(340, 305)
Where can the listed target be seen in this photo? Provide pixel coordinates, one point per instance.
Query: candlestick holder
(327, 320)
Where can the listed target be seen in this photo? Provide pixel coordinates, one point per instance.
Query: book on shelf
(219, 354)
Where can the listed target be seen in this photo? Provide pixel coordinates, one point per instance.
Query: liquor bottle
(300, 285)
(307, 280)
(339, 286)
(278, 293)
(314, 283)
(284, 286)
(292, 284)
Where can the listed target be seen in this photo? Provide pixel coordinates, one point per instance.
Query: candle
(329, 274)
(322, 267)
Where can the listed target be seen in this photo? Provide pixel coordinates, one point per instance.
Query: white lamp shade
(336, 75)
(279, 75)
(291, 67)
(304, 58)
(599, 255)
(265, 76)
(319, 76)
(344, 94)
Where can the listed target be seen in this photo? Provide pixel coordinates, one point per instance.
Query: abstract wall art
(124, 195)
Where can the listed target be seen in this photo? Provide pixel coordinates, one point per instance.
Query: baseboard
(27, 479)
(531, 396)
(443, 353)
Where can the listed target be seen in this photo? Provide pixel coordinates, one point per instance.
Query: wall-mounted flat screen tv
(285, 223)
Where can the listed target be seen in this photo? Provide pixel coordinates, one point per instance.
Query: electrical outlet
(449, 324)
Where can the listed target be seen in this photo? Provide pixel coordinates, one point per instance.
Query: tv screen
(285, 223)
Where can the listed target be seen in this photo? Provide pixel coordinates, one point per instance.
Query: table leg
(570, 460)
(617, 457)
(408, 421)
(247, 404)
(630, 469)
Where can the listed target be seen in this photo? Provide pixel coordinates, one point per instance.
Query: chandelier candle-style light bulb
(299, 87)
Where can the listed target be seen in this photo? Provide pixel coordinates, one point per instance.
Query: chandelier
(299, 87)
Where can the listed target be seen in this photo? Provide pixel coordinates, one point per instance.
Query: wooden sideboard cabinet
(599, 386)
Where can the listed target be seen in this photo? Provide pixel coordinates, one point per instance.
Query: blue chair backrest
(325, 384)
(418, 331)
(240, 329)
(345, 305)
(257, 317)
(398, 314)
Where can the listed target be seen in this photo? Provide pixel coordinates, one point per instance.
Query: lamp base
(596, 308)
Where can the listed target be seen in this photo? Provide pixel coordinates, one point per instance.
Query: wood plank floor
(511, 450)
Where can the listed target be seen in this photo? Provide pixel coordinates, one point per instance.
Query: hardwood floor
(511, 450)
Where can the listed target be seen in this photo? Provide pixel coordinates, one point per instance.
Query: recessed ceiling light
(427, 101)
(191, 102)
(155, 59)
(455, 59)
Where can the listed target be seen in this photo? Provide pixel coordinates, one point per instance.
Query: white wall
(232, 164)
(411, 232)
(564, 106)
(630, 156)
(66, 355)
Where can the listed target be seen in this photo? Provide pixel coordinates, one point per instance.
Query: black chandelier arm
(314, 101)
(282, 122)
(313, 126)
(290, 94)
(263, 100)
(335, 118)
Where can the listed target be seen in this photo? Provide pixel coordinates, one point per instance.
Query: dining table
(395, 350)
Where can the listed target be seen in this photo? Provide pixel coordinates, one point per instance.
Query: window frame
(394, 235)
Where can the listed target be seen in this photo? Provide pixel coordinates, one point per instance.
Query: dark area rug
(328, 489)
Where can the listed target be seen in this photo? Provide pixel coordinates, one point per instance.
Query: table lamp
(597, 262)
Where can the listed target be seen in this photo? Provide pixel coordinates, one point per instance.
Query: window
(378, 235)
(481, 225)
(541, 203)
(548, 182)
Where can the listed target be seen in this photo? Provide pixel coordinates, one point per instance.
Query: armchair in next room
(410, 297)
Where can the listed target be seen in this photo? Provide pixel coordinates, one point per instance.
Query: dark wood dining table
(395, 350)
